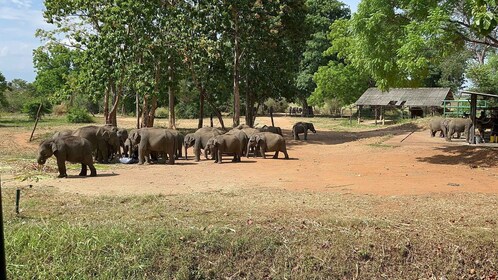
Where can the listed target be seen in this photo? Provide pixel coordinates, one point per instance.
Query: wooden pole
(211, 119)
(18, 199)
(376, 108)
(3, 263)
(359, 114)
(473, 113)
(36, 121)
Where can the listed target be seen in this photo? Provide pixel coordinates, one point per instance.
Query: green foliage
(79, 115)
(31, 108)
(162, 113)
(18, 93)
(3, 88)
(280, 105)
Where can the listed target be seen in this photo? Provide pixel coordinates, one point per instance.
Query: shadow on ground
(464, 155)
(338, 137)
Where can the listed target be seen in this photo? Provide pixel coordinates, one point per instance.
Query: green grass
(250, 234)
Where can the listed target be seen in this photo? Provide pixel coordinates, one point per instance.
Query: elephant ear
(135, 137)
(54, 147)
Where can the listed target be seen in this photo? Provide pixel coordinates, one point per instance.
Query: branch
(493, 43)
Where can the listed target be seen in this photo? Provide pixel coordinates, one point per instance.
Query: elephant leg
(186, 152)
(171, 158)
(83, 170)
(262, 151)
(141, 156)
(276, 154)
(61, 165)
(306, 134)
(458, 135)
(219, 157)
(296, 136)
(284, 150)
(93, 171)
(197, 151)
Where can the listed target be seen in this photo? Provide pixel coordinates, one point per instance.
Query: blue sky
(19, 20)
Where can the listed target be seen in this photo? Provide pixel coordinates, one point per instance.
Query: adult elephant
(74, 149)
(302, 127)
(459, 126)
(242, 136)
(439, 124)
(268, 142)
(114, 141)
(180, 138)
(156, 140)
(201, 137)
(66, 132)
(122, 134)
(225, 144)
(99, 137)
(273, 129)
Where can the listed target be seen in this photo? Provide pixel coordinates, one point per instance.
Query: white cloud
(22, 3)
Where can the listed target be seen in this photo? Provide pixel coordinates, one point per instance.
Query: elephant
(122, 134)
(154, 140)
(66, 132)
(74, 149)
(188, 141)
(459, 126)
(302, 127)
(179, 141)
(273, 129)
(225, 144)
(267, 142)
(99, 138)
(130, 150)
(242, 136)
(439, 124)
(201, 137)
(114, 141)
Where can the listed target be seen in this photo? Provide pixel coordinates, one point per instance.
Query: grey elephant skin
(273, 129)
(439, 124)
(268, 142)
(201, 137)
(302, 127)
(459, 126)
(242, 136)
(122, 134)
(66, 132)
(154, 140)
(100, 138)
(225, 144)
(180, 138)
(74, 149)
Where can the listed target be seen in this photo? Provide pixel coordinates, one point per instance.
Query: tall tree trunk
(236, 66)
(249, 108)
(305, 108)
(171, 99)
(145, 112)
(137, 108)
(106, 99)
(201, 109)
(111, 116)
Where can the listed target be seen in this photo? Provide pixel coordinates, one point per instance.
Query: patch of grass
(248, 234)
(380, 142)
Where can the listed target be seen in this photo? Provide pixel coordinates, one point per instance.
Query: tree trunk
(171, 99)
(106, 100)
(249, 108)
(305, 108)
(201, 110)
(236, 66)
(112, 115)
(145, 112)
(137, 108)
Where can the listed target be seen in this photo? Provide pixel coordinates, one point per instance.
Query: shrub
(162, 113)
(31, 108)
(60, 109)
(78, 115)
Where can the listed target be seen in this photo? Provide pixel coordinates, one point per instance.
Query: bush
(31, 108)
(162, 113)
(280, 106)
(78, 115)
(60, 109)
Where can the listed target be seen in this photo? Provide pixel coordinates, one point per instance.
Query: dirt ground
(386, 161)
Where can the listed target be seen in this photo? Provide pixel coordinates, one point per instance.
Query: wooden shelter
(473, 110)
(420, 101)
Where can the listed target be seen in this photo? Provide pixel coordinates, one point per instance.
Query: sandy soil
(402, 163)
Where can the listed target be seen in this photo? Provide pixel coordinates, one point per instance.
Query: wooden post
(271, 116)
(211, 119)
(350, 115)
(359, 113)
(402, 112)
(137, 109)
(18, 199)
(376, 114)
(382, 115)
(473, 113)
(3, 263)
(36, 121)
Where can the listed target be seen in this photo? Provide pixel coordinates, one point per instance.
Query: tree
(320, 15)
(3, 88)
(398, 42)
(483, 76)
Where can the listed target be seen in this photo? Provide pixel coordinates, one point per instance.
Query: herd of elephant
(449, 127)
(104, 143)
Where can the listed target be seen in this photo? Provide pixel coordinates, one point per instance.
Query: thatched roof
(420, 97)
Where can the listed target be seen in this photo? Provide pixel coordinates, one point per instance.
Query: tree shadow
(98, 175)
(341, 137)
(464, 155)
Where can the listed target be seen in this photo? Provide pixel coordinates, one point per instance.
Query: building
(419, 101)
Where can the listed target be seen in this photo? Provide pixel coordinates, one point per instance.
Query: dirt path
(363, 163)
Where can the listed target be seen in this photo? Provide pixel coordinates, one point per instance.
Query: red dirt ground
(352, 162)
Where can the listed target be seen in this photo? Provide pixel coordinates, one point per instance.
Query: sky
(19, 20)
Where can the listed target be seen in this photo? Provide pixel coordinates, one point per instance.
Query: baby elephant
(268, 142)
(225, 144)
(68, 148)
(302, 127)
